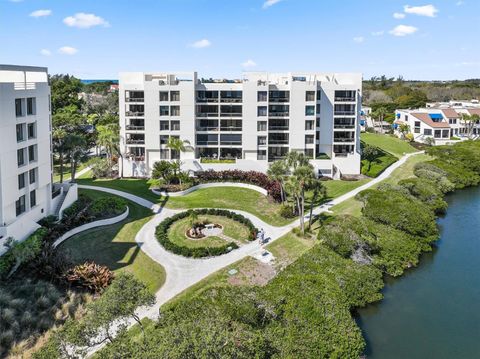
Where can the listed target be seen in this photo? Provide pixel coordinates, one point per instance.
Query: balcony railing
(279, 99)
(207, 143)
(344, 126)
(278, 142)
(133, 113)
(344, 113)
(131, 141)
(278, 128)
(345, 99)
(199, 128)
(207, 114)
(230, 114)
(336, 139)
(134, 128)
(231, 100)
(135, 99)
(279, 114)
(231, 143)
(207, 100)
(230, 128)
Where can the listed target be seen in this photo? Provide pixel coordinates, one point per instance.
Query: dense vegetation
(375, 160)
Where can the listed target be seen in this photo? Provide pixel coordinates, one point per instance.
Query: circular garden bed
(235, 229)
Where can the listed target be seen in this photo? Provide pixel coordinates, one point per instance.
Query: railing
(343, 126)
(279, 99)
(207, 143)
(279, 114)
(278, 128)
(235, 100)
(278, 142)
(134, 99)
(344, 113)
(207, 128)
(230, 114)
(134, 128)
(345, 99)
(131, 113)
(207, 100)
(275, 158)
(135, 142)
(343, 139)
(231, 143)
(230, 128)
(207, 114)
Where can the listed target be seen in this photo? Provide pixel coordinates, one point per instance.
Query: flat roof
(23, 68)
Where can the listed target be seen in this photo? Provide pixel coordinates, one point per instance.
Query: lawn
(393, 145)
(66, 171)
(289, 248)
(338, 188)
(136, 186)
(115, 246)
(231, 228)
(232, 198)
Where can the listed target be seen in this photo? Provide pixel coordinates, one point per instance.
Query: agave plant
(90, 275)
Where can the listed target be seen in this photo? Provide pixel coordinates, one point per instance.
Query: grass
(66, 171)
(115, 246)
(393, 145)
(231, 198)
(231, 228)
(338, 188)
(380, 164)
(138, 187)
(354, 208)
(289, 248)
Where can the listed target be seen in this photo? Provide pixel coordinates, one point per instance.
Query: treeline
(306, 311)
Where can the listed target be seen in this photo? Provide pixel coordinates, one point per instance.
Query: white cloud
(460, 3)
(378, 33)
(67, 50)
(41, 13)
(359, 39)
(403, 30)
(269, 3)
(426, 10)
(399, 15)
(85, 21)
(200, 44)
(249, 63)
(45, 52)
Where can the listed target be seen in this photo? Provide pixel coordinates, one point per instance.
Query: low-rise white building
(440, 123)
(252, 121)
(25, 152)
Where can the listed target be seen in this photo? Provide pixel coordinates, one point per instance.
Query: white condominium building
(248, 122)
(25, 151)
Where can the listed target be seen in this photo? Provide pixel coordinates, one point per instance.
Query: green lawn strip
(289, 248)
(391, 144)
(115, 246)
(354, 207)
(66, 171)
(339, 188)
(231, 198)
(380, 164)
(138, 187)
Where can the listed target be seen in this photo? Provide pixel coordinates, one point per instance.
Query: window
(261, 140)
(309, 110)
(31, 102)
(21, 157)
(164, 154)
(164, 126)
(19, 107)
(309, 139)
(309, 125)
(319, 95)
(175, 96)
(175, 125)
(20, 136)
(446, 133)
(163, 139)
(310, 96)
(261, 125)
(175, 110)
(262, 96)
(163, 96)
(261, 155)
(32, 174)
(20, 205)
(32, 153)
(416, 129)
(262, 111)
(32, 130)
(437, 134)
(427, 132)
(417, 123)
(33, 199)
(21, 180)
(309, 153)
(164, 111)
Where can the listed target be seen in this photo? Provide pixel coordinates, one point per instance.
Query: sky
(97, 39)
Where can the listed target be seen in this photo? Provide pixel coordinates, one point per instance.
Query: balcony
(279, 114)
(207, 143)
(204, 129)
(345, 99)
(231, 100)
(135, 141)
(230, 128)
(207, 114)
(134, 114)
(231, 143)
(134, 128)
(343, 139)
(279, 99)
(135, 99)
(344, 126)
(230, 114)
(207, 100)
(278, 128)
(344, 113)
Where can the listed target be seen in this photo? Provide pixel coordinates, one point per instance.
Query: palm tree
(379, 114)
(193, 218)
(301, 178)
(109, 138)
(277, 172)
(404, 128)
(318, 190)
(176, 145)
(295, 159)
(469, 121)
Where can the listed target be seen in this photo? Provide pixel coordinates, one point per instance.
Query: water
(433, 311)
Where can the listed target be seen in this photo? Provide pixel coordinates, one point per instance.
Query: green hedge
(161, 233)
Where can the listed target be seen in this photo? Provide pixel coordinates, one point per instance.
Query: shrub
(162, 234)
(100, 167)
(252, 177)
(107, 207)
(287, 211)
(426, 191)
(90, 275)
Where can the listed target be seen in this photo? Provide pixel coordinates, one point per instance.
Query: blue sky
(221, 38)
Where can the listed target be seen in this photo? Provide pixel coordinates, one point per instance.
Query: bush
(107, 207)
(288, 211)
(426, 191)
(91, 276)
(161, 233)
(252, 177)
(100, 167)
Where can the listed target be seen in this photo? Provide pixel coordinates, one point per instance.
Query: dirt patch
(253, 272)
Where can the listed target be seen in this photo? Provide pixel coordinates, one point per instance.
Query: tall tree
(64, 92)
(300, 180)
(108, 137)
(319, 190)
(470, 121)
(277, 171)
(177, 146)
(370, 153)
(77, 148)
(59, 147)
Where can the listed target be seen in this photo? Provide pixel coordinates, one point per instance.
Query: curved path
(212, 185)
(182, 272)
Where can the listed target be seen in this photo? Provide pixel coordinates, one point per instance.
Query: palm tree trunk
(60, 159)
(302, 224)
(310, 219)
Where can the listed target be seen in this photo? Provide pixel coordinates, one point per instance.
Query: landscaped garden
(388, 143)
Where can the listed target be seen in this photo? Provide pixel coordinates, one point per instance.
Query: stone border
(95, 224)
(211, 185)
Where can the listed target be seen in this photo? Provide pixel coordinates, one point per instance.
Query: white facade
(25, 151)
(440, 123)
(252, 121)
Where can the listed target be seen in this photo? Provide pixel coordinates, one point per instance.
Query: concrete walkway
(183, 272)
